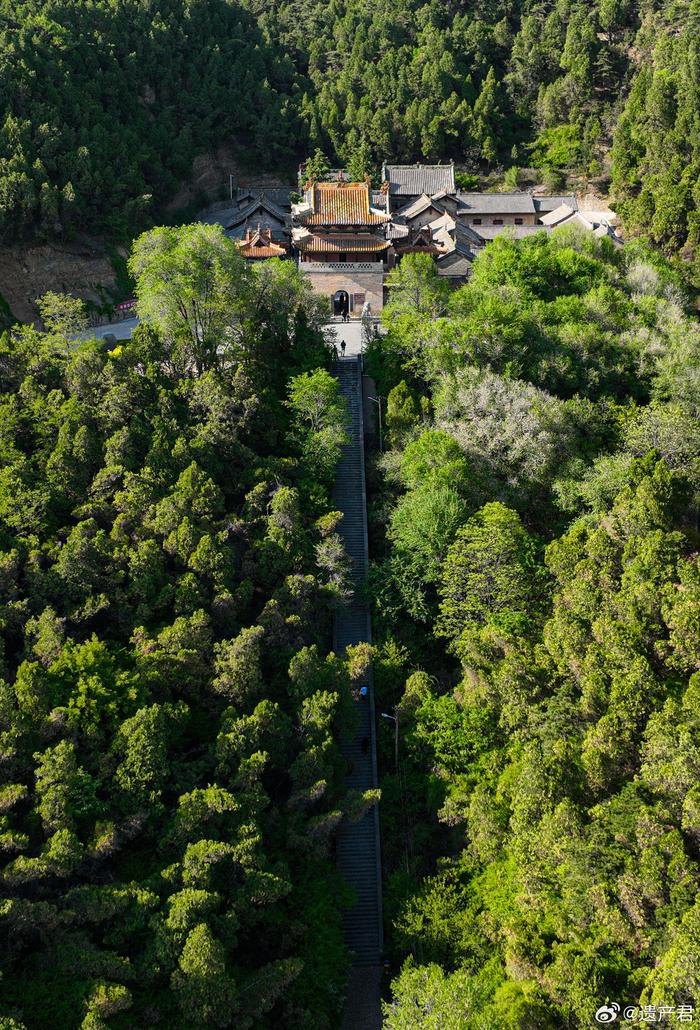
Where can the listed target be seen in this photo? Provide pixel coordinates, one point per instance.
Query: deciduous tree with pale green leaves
(190, 286)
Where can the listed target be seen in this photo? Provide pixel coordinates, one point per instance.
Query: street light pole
(378, 402)
(395, 720)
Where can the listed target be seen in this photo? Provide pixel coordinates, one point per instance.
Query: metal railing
(96, 319)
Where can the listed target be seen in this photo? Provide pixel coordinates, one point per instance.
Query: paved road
(120, 330)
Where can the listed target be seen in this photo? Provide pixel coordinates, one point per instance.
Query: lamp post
(395, 720)
(378, 402)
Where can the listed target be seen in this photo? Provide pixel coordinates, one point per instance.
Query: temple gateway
(347, 236)
(339, 231)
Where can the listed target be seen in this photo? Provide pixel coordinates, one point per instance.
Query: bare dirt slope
(26, 272)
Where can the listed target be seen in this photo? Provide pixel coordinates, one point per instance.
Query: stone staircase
(358, 849)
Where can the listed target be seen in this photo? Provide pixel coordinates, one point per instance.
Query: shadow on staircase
(358, 851)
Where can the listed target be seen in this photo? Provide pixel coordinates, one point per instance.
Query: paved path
(351, 332)
(358, 845)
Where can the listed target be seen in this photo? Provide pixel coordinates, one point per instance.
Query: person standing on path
(342, 348)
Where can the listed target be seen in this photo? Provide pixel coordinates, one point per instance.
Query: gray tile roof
(256, 212)
(551, 202)
(606, 230)
(518, 232)
(412, 180)
(463, 247)
(418, 206)
(559, 214)
(280, 196)
(496, 203)
(467, 233)
(454, 265)
(245, 210)
(395, 231)
(453, 242)
(261, 205)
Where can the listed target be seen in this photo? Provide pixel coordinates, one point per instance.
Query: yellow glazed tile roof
(341, 244)
(260, 250)
(337, 203)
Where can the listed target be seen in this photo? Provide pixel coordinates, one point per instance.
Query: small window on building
(498, 221)
(518, 221)
(476, 221)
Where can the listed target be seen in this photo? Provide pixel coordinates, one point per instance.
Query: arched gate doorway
(341, 303)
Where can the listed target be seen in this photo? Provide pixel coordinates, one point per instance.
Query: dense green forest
(169, 710)
(536, 595)
(105, 103)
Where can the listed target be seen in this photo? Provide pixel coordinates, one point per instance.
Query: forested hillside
(169, 712)
(536, 593)
(106, 103)
(172, 717)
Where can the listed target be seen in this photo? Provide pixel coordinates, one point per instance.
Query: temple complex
(346, 236)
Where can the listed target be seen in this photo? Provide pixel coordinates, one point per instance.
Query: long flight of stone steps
(358, 850)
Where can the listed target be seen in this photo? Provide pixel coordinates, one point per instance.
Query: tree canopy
(170, 714)
(535, 587)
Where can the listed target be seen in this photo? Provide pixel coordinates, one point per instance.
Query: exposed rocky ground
(82, 269)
